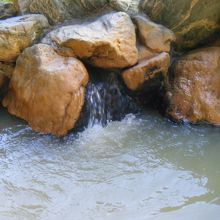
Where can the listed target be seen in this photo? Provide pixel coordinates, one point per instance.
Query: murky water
(143, 167)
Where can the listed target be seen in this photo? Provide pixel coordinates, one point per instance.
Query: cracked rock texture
(128, 6)
(108, 42)
(193, 87)
(60, 10)
(47, 90)
(20, 32)
(193, 21)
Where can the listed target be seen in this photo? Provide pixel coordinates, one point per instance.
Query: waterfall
(106, 100)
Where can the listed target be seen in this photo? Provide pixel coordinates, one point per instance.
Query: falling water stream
(141, 167)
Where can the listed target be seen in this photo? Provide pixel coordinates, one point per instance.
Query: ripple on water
(143, 167)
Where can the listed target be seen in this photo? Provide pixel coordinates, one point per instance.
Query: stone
(7, 9)
(47, 90)
(155, 37)
(146, 72)
(20, 32)
(108, 42)
(192, 21)
(128, 6)
(60, 10)
(193, 92)
(6, 70)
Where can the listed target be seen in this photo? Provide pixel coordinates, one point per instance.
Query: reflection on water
(143, 167)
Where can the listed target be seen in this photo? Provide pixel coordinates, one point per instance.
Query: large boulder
(47, 90)
(108, 42)
(194, 87)
(60, 10)
(193, 22)
(7, 9)
(17, 33)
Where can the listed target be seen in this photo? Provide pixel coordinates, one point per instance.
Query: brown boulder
(17, 33)
(108, 42)
(47, 90)
(147, 70)
(194, 87)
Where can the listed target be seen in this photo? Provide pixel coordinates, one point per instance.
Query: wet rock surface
(20, 32)
(47, 90)
(193, 89)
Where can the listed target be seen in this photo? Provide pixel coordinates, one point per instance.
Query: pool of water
(143, 167)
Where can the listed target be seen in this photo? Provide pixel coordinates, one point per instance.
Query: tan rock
(108, 42)
(47, 90)
(146, 70)
(194, 87)
(154, 36)
(17, 33)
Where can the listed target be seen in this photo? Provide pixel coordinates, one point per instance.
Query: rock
(17, 33)
(47, 90)
(155, 37)
(6, 70)
(60, 10)
(148, 73)
(7, 9)
(108, 42)
(128, 6)
(194, 87)
(192, 21)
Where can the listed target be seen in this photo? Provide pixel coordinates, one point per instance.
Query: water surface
(141, 168)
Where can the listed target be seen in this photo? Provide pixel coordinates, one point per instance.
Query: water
(143, 167)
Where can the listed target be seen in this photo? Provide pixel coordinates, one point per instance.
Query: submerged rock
(193, 22)
(193, 88)
(7, 9)
(148, 73)
(47, 90)
(60, 10)
(18, 33)
(108, 42)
